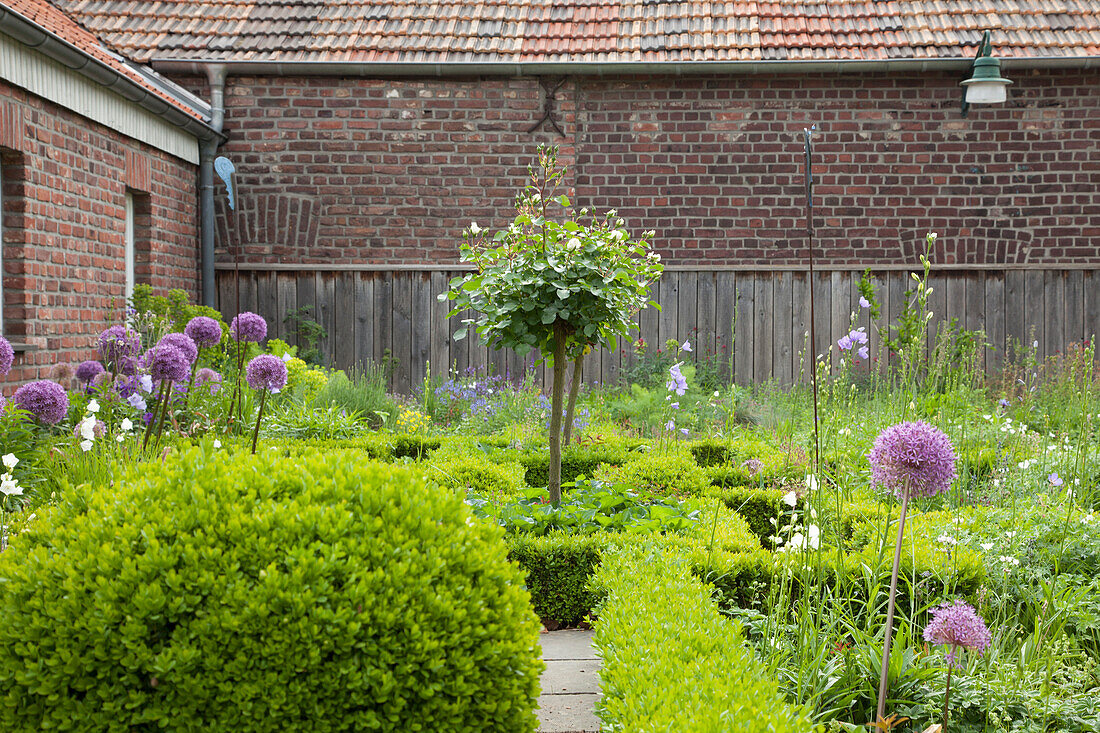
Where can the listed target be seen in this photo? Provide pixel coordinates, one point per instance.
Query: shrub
(575, 461)
(763, 509)
(659, 474)
(559, 563)
(711, 453)
(474, 471)
(236, 593)
(558, 566)
(670, 659)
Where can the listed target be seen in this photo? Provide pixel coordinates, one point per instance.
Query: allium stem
(884, 678)
(256, 430)
(164, 413)
(947, 694)
(152, 422)
(191, 382)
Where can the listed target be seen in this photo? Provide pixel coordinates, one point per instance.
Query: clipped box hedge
(559, 565)
(671, 661)
(226, 592)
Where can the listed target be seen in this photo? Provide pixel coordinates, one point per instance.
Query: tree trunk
(574, 390)
(556, 394)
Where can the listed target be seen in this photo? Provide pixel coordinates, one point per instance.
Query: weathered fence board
(755, 323)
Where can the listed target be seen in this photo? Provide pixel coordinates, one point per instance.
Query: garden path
(570, 684)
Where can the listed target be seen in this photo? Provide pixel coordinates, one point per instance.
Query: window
(11, 194)
(139, 265)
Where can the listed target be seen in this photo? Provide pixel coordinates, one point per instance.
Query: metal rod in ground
(810, 258)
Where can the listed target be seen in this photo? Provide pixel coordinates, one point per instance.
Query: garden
(204, 531)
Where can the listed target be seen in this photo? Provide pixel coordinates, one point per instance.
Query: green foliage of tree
(559, 285)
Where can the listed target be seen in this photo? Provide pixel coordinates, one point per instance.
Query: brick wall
(64, 228)
(390, 171)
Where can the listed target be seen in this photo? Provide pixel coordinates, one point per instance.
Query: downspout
(209, 148)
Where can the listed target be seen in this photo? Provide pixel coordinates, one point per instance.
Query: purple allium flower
(166, 363)
(913, 457)
(266, 372)
(248, 327)
(44, 399)
(128, 365)
(205, 331)
(103, 379)
(89, 370)
(7, 356)
(118, 342)
(957, 625)
(210, 378)
(753, 466)
(676, 381)
(184, 343)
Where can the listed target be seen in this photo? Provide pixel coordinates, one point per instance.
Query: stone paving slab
(568, 714)
(570, 684)
(567, 644)
(571, 677)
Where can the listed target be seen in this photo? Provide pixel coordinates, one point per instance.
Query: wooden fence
(755, 324)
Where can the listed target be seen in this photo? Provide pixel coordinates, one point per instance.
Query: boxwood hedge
(222, 592)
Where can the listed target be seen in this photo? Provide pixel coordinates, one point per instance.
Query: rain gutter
(53, 46)
(688, 68)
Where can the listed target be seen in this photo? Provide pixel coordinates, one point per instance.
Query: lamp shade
(985, 85)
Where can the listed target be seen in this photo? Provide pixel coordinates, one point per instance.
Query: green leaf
(563, 293)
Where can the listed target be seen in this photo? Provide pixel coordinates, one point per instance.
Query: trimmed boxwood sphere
(226, 592)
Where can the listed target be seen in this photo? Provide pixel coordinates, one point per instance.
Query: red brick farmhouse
(366, 135)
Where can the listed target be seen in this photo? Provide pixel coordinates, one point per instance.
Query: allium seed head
(913, 457)
(44, 399)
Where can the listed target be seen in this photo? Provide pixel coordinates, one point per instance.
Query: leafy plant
(558, 287)
(591, 506)
(175, 307)
(360, 391)
(301, 323)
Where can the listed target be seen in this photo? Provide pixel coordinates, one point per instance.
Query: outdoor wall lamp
(985, 85)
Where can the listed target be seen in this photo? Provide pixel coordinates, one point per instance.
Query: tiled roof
(592, 31)
(53, 20)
